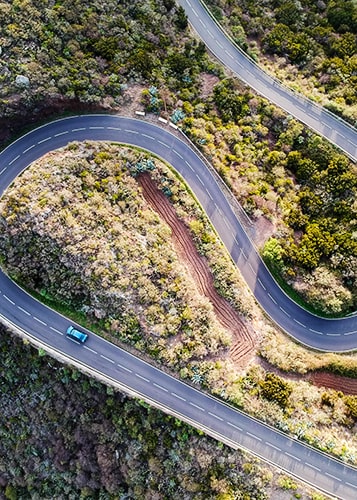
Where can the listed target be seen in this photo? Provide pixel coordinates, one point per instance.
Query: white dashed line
(349, 333)
(28, 149)
(189, 166)
(333, 477)
(315, 331)
(131, 131)
(150, 137)
(215, 416)
(261, 284)
(193, 10)
(55, 330)
(244, 255)
(160, 387)
(96, 128)
(292, 456)
(89, 349)
(251, 268)
(24, 310)
(3, 170)
(196, 406)
(312, 466)
(272, 298)
(199, 178)
(61, 133)
(44, 140)
(229, 54)
(253, 436)
(209, 194)
(235, 426)
(39, 321)
(219, 44)
(16, 158)
(272, 446)
(352, 485)
(178, 154)
(124, 368)
(299, 322)
(226, 223)
(142, 378)
(163, 144)
(287, 314)
(9, 300)
(113, 128)
(107, 359)
(177, 396)
(333, 334)
(78, 129)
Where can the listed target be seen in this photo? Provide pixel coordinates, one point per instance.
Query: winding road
(22, 312)
(315, 117)
(27, 315)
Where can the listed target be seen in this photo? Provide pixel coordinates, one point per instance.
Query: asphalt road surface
(135, 376)
(315, 117)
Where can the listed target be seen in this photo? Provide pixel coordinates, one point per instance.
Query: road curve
(236, 429)
(335, 130)
(323, 334)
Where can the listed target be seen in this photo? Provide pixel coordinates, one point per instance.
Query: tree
(276, 389)
(181, 19)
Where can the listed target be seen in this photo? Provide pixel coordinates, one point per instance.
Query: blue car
(76, 335)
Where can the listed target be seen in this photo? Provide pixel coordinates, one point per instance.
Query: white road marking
(292, 456)
(177, 396)
(235, 426)
(209, 194)
(107, 359)
(3, 170)
(150, 137)
(315, 331)
(124, 368)
(244, 255)
(163, 144)
(160, 387)
(312, 466)
(9, 300)
(28, 149)
(199, 178)
(349, 333)
(284, 311)
(39, 321)
(229, 54)
(193, 10)
(55, 330)
(333, 334)
(333, 477)
(253, 436)
(251, 268)
(219, 44)
(143, 378)
(89, 349)
(44, 140)
(131, 131)
(196, 406)
(272, 446)
(299, 322)
(61, 133)
(189, 166)
(353, 485)
(178, 154)
(113, 128)
(272, 298)
(210, 34)
(261, 284)
(78, 129)
(215, 416)
(16, 158)
(226, 223)
(96, 128)
(24, 310)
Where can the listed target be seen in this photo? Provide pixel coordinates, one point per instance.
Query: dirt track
(244, 339)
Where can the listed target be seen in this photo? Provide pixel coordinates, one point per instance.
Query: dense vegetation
(313, 44)
(106, 253)
(65, 435)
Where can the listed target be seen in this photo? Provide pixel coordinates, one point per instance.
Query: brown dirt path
(244, 338)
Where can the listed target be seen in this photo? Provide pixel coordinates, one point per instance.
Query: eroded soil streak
(244, 339)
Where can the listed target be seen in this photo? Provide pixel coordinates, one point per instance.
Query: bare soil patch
(244, 338)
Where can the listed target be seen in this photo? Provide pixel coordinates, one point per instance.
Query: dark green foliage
(230, 102)
(276, 389)
(64, 435)
(181, 19)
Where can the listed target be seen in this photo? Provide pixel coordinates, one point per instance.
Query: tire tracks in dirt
(244, 338)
